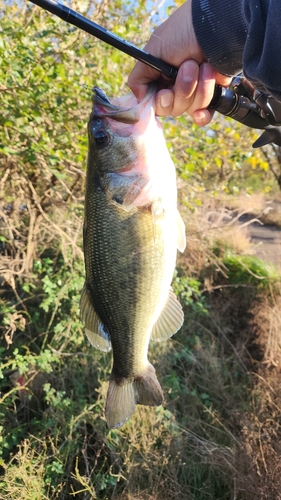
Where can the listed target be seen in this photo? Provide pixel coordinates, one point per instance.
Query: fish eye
(101, 138)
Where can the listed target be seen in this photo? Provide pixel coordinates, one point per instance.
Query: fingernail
(166, 100)
(189, 71)
(201, 117)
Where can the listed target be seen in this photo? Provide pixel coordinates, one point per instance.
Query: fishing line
(170, 44)
(85, 86)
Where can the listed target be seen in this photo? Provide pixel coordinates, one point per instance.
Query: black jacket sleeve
(238, 35)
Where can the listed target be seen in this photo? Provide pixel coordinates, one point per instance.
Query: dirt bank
(266, 239)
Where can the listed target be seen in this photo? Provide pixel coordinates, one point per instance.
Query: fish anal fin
(120, 402)
(94, 328)
(181, 233)
(169, 321)
(123, 395)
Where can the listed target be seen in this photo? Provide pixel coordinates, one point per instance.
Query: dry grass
(254, 203)
(258, 205)
(24, 475)
(260, 458)
(34, 221)
(209, 229)
(245, 332)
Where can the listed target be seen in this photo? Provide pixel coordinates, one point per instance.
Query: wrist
(193, 49)
(180, 39)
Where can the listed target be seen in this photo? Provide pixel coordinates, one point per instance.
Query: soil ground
(266, 238)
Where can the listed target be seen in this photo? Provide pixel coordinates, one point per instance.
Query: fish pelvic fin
(124, 393)
(169, 321)
(94, 328)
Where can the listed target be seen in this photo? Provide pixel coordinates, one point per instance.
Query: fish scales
(130, 251)
(126, 275)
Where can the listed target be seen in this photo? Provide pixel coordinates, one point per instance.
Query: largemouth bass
(132, 230)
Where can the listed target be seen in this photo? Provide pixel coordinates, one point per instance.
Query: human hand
(192, 92)
(175, 42)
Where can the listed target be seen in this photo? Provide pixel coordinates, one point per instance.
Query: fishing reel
(242, 102)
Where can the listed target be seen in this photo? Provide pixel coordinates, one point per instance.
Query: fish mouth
(125, 109)
(99, 94)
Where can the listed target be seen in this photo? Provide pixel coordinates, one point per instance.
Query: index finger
(140, 77)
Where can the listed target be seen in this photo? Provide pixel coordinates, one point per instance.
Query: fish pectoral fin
(124, 394)
(181, 233)
(169, 321)
(94, 328)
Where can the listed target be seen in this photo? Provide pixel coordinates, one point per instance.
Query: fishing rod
(240, 101)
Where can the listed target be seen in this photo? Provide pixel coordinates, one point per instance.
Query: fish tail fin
(147, 388)
(124, 393)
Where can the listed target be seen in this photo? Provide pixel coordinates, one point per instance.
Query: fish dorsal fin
(181, 233)
(169, 321)
(94, 328)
